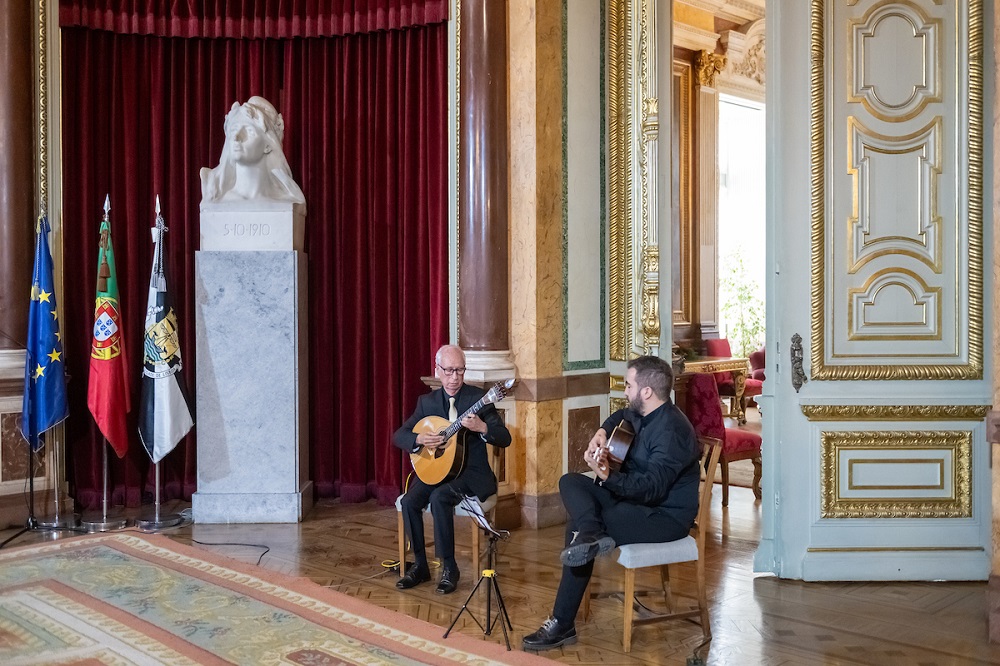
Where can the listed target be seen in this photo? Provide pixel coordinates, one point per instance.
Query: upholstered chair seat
(704, 410)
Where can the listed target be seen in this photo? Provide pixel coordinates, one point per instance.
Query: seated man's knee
(444, 498)
(410, 502)
(573, 481)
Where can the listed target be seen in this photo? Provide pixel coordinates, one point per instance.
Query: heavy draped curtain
(365, 118)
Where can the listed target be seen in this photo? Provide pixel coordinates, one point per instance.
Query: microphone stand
(489, 575)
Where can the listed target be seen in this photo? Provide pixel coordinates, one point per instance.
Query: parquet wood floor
(756, 619)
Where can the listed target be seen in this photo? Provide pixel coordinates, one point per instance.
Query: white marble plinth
(253, 449)
(252, 225)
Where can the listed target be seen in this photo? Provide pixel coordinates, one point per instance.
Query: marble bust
(253, 166)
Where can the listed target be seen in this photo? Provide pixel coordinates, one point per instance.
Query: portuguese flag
(108, 392)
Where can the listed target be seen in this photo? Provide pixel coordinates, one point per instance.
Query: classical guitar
(447, 461)
(616, 448)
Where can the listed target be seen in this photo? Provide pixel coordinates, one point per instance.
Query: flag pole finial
(107, 205)
(157, 204)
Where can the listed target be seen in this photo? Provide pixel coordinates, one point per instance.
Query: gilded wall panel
(896, 474)
(896, 219)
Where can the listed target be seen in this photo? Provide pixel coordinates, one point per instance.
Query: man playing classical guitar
(476, 478)
(652, 498)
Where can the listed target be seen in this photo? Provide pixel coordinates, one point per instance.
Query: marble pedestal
(253, 453)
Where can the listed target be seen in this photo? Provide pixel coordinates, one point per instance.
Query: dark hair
(655, 373)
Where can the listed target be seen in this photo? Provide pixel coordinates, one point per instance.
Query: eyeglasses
(451, 371)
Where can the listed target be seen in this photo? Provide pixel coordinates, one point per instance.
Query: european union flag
(44, 371)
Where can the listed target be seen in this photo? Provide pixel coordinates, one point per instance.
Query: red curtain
(365, 119)
(250, 19)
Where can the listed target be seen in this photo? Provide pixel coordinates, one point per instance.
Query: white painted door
(876, 467)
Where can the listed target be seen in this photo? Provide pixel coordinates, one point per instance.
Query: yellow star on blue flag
(44, 374)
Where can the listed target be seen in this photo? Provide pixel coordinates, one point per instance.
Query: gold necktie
(452, 412)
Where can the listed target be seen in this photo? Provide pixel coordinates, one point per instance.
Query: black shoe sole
(580, 554)
(569, 640)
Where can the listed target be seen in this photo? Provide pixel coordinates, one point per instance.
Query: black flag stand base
(489, 576)
(32, 524)
(106, 523)
(158, 521)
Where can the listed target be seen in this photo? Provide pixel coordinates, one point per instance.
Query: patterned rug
(129, 598)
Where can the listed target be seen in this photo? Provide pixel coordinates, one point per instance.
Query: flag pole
(157, 521)
(58, 520)
(105, 524)
(157, 313)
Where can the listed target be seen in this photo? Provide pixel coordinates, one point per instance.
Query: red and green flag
(108, 392)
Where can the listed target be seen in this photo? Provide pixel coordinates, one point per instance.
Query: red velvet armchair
(727, 383)
(757, 364)
(704, 410)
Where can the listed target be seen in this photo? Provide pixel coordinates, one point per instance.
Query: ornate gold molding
(895, 412)
(708, 65)
(619, 179)
(617, 383)
(651, 296)
(957, 505)
(973, 367)
(614, 404)
(683, 252)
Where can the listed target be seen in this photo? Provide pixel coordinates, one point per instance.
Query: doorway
(740, 240)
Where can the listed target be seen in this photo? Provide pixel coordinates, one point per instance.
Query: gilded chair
(704, 410)
(727, 383)
(691, 548)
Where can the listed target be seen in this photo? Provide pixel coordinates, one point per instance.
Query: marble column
(17, 172)
(483, 310)
(536, 281)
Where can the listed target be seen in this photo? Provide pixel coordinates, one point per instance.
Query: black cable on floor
(267, 549)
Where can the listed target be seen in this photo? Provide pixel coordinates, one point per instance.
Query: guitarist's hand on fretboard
(474, 423)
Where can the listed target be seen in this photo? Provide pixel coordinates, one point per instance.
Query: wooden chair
(689, 549)
(704, 409)
(489, 505)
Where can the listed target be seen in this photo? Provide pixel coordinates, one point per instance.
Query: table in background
(740, 367)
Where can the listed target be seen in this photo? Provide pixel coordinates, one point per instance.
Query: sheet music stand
(489, 575)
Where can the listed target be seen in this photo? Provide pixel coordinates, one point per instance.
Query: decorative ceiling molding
(696, 39)
(746, 58)
(737, 11)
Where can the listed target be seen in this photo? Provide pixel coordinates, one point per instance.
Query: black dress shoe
(550, 635)
(584, 547)
(414, 576)
(449, 581)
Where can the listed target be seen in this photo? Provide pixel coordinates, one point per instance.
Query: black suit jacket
(477, 476)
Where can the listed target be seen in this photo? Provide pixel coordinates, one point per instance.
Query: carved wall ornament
(753, 63)
(895, 412)
(798, 374)
(708, 65)
(744, 70)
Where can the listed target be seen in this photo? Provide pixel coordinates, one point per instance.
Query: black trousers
(442, 498)
(592, 508)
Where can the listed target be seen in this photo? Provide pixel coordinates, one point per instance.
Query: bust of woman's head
(252, 166)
